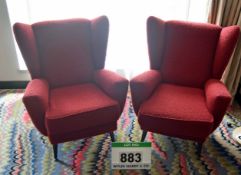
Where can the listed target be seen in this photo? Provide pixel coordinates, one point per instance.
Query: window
(127, 37)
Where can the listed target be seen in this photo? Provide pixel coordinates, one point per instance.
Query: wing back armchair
(182, 95)
(71, 96)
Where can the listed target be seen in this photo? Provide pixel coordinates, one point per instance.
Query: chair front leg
(143, 136)
(55, 149)
(112, 136)
(199, 148)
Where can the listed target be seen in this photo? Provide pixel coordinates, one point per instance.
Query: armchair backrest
(64, 52)
(189, 53)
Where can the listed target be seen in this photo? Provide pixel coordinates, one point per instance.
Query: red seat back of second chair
(187, 53)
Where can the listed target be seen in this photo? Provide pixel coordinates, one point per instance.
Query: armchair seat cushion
(79, 107)
(177, 111)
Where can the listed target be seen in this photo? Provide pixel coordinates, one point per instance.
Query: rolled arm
(36, 101)
(112, 84)
(217, 99)
(142, 87)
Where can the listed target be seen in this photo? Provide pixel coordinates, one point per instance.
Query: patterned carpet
(23, 150)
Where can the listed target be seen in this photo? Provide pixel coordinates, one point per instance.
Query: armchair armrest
(113, 85)
(142, 87)
(36, 101)
(217, 99)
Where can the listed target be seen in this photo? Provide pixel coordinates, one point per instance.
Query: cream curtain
(226, 13)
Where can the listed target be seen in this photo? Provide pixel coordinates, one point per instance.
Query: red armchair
(182, 95)
(70, 95)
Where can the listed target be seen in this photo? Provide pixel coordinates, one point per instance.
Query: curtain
(226, 13)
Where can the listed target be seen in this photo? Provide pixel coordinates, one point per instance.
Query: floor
(235, 110)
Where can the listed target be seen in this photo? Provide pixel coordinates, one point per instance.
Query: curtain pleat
(227, 13)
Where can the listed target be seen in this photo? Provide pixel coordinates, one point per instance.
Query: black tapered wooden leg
(112, 136)
(55, 148)
(143, 136)
(199, 148)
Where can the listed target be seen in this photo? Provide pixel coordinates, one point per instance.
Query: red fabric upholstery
(88, 132)
(100, 31)
(142, 87)
(228, 38)
(155, 37)
(81, 107)
(185, 98)
(73, 96)
(113, 85)
(68, 44)
(217, 99)
(36, 101)
(27, 44)
(177, 111)
(189, 52)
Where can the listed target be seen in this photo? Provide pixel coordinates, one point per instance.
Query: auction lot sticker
(130, 155)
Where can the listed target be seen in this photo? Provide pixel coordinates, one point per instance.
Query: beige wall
(8, 59)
